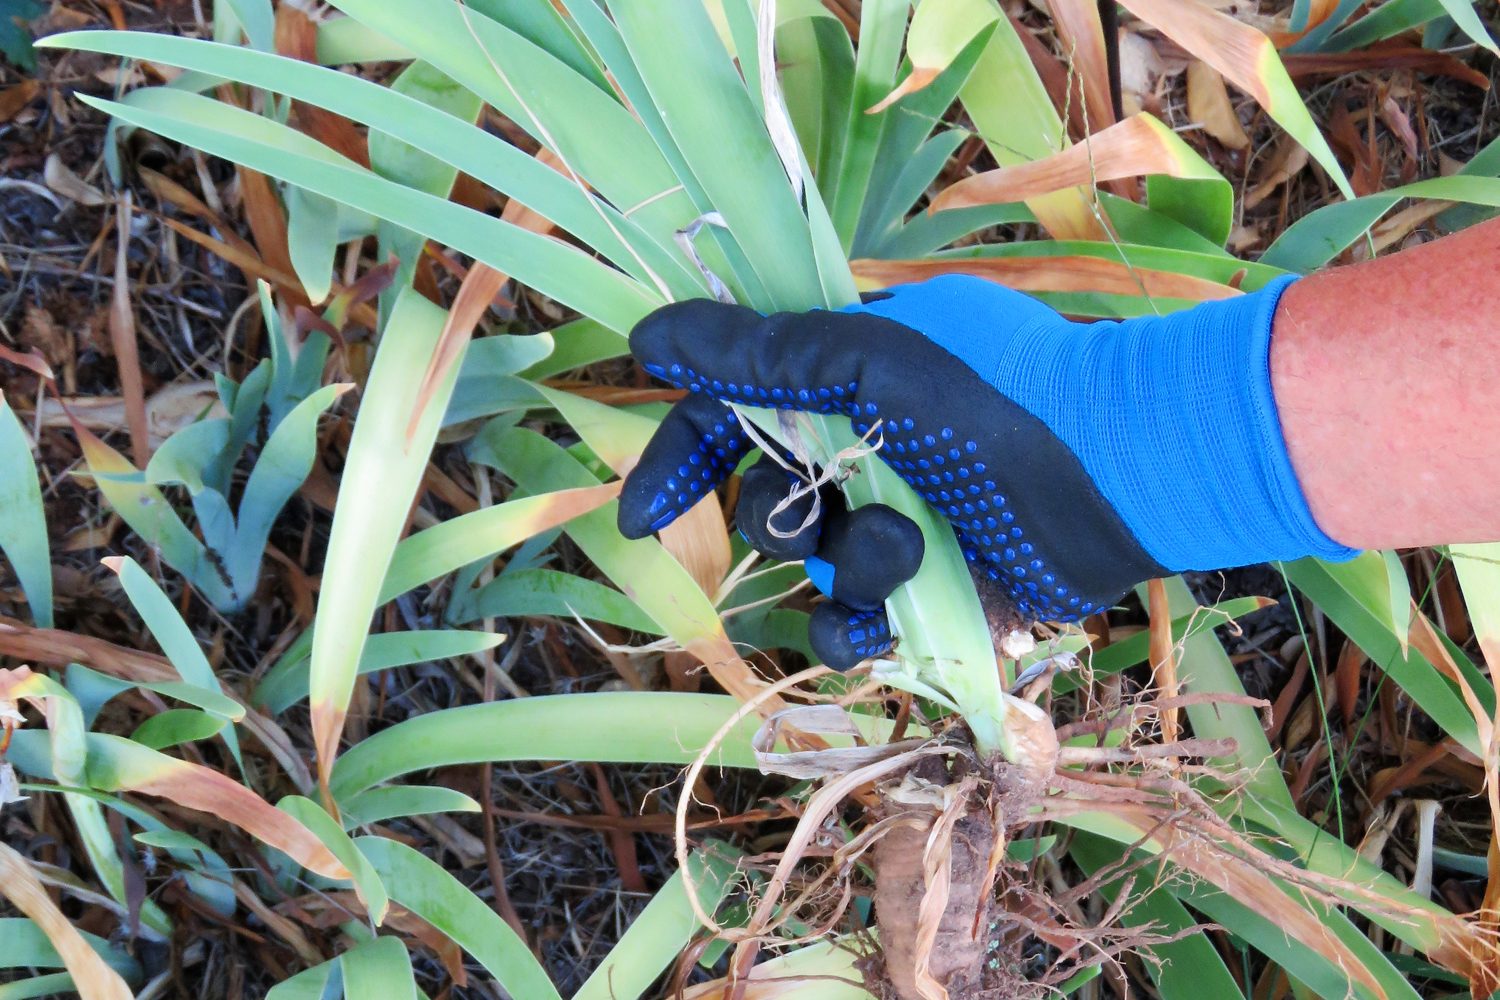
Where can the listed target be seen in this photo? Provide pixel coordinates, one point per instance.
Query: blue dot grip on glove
(1173, 417)
(862, 634)
(697, 451)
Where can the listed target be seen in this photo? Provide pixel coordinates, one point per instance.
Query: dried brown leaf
(208, 791)
(68, 184)
(826, 719)
(167, 411)
(1049, 274)
(92, 976)
(268, 227)
(31, 361)
(699, 540)
(57, 648)
(475, 294)
(297, 37)
(1347, 674)
(123, 338)
(1400, 125)
(1230, 46)
(1300, 65)
(1141, 67)
(1357, 141)
(1131, 148)
(1287, 162)
(180, 197)
(1208, 104)
(919, 77)
(13, 99)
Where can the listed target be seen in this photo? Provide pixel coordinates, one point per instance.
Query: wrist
(1175, 420)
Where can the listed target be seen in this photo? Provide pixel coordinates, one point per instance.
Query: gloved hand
(1074, 460)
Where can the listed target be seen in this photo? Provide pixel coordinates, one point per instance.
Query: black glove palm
(947, 433)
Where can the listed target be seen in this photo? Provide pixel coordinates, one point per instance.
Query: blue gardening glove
(1074, 460)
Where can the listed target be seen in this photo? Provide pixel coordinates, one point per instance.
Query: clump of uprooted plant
(948, 835)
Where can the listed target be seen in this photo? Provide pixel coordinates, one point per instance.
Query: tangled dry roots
(958, 921)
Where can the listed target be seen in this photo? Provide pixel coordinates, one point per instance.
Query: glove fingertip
(642, 515)
(843, 637)
(696, 447)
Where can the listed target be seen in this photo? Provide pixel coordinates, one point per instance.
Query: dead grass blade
(65, 182)
(56, 648)
(282, 927)
(239, 253)
(169, 409)
(32, 361)
(1301, 65)
(1247, 59)
(243, 256)
(1481, 586)
(1209, 850)
(474, 296)
(123, 340)
(1286, 162)
(1050, 274)
(1347, 675)
(1483, 964)
(1137, 146)
(92, 976)
(699, 540)
(173, 193)
(767, 701)
(809, 764)
(1163, 656)
(817, 811)
(938, 32)
(116, 764)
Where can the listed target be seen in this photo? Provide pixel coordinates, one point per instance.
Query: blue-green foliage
(273, 414)
(15, 36)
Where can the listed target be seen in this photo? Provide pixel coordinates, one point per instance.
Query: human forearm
(1386, 376)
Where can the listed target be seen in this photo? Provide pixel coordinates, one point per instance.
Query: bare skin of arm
(1387, 379)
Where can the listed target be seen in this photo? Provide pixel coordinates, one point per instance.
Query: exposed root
(956, 920)
(931, 896)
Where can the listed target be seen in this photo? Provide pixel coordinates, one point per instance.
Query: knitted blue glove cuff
(1172, 417)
